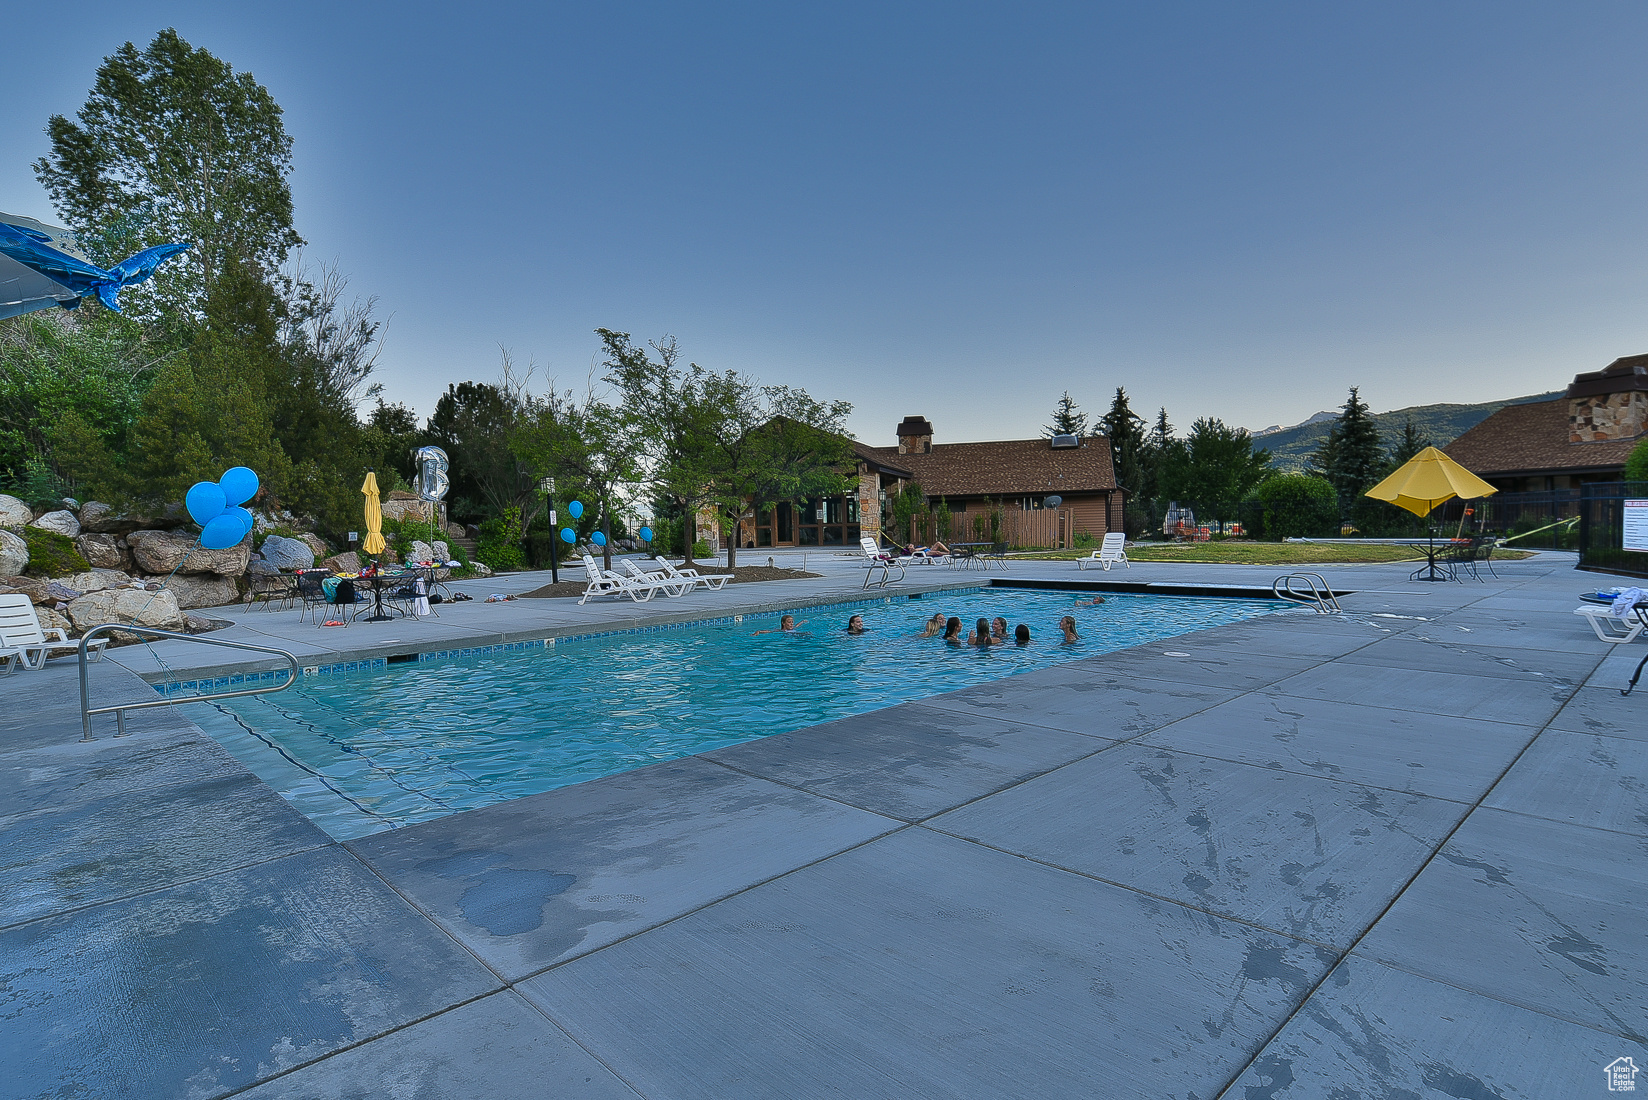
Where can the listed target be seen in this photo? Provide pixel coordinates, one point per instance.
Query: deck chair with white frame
(22, 635)
(604, 582)
(713, 581)
(1110, 552)
(879, 559)
(669, 586)
(1612, 628)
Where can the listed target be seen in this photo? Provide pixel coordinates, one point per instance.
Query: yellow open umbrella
(374, 516)
(1427, 479)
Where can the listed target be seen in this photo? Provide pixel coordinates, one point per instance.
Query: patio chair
(269, 589)
(713, 581)
(23, 640)
(604, 582)
(13, 659)
(1459, 558)
(311, 593)
(669, 586)
(997, 553)
(1610, 627)
(875, 559)
(1111, 551)
(411, 596)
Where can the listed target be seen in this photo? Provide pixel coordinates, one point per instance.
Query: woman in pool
(787, 623)
(952, 630)
(855, 625)
(981, 634)
(1094, 602)
(935, 626)
(1068, 625)
(1021, 635)
(998, 629)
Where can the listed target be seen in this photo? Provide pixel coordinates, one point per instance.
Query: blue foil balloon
(205, 502)
(246, 519)
(576, 509)
(222, 533)
(645, 533)
(568, 535)
(239, 484)
(598, 539)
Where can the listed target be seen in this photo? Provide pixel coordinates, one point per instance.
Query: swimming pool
(363, 752)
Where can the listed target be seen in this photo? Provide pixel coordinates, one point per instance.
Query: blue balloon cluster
(645, 533)
(576, 508)
(216, 506)
(568, 535)
(598, 539)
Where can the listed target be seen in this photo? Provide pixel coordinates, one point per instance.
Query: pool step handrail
(119, 709)
(1319, 594)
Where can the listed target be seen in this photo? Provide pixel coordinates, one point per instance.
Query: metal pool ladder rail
(1319, 595)
(119, 709)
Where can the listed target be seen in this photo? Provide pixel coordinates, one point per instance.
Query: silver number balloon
(432, 479)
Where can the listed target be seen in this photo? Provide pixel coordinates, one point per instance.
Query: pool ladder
(1317, 593)
(120, 709)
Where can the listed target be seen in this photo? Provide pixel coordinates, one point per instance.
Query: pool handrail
(87, 710)
(1320, 596)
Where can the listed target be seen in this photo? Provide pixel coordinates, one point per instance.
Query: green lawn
(1244, 552)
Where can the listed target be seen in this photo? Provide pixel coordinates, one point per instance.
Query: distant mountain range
(1291, 448)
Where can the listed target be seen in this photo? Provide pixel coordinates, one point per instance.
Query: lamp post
(547, 487)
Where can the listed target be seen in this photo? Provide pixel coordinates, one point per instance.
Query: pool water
(369, 751)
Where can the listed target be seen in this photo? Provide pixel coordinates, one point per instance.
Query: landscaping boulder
(126, 605)
(200, 624)
(413, 509)
(205, 590)
(101, 519)
(348, 562)
(13, 512)
(35, 590)
(481, 569)
(285, 553)
(316, 544)
(14, 554)
(55, 620)
(420, 551)
(257, 567)
(95, 580)
(164, 551)
(455, 530)
(102, 551)
(443, 553)
(61, 521)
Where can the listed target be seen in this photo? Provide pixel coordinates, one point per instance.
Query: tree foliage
(1636, 465)
(1296, 506)
(1214, 468)
(1351, 458)
(1129, 447)
(174, 145)
(1067, 419)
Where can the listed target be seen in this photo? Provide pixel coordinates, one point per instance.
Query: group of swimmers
(986, 632)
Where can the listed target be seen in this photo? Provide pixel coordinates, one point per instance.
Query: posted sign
(1636, 525)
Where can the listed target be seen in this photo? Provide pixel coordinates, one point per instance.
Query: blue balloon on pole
(568, 535)
(246, 519)
(239, 483)
(645, 533)
(576, 509)
(598, 539)
(205, 502)
(221, 533)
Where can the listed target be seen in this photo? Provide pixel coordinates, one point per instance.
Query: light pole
(547, 487)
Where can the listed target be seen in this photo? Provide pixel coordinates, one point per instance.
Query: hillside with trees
(1290, 448)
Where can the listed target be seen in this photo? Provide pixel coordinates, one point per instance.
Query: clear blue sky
(953, 210)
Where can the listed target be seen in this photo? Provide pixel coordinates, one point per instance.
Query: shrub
(51, 554)
(1083, 540)
(1636, 467)
(1296, 505)
(500, 543)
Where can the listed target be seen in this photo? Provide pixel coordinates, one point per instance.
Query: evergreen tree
(1351, 457)
(1407, 444)
(1128, 446)
(1067, 419)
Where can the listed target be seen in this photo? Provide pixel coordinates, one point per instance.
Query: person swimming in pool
(952, 630)
(855, 625)
(1021, 634)
(981, 634)
(998, 629)
(934, 627)
(787, 623)
(1094, 602)
(1068, 625)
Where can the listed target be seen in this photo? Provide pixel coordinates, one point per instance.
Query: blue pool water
(369, 751)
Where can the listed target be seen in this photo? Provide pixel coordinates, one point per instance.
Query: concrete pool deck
(1398, 852)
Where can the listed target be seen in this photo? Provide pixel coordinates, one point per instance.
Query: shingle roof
(1006, 468)
(1520, 439)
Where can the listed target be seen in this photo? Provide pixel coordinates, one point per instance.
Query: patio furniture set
(641, 585)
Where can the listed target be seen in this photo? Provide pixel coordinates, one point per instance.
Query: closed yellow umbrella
(374, 515)
(1427, 479)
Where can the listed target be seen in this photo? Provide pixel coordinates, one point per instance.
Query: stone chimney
(915, 436)
(1609, 404)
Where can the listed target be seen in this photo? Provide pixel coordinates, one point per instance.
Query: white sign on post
(1636, 525)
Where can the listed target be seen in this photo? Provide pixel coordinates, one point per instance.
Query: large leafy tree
(1351, 456)
(1215, 467)
(1128, 446)
(473, 423)
(1068, 419)
(174, 145)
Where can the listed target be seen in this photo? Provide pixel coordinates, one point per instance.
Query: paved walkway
(1395, 853)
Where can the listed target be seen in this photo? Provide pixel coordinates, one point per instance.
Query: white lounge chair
(12, 658)
(669, 586)
(1110, 552)
(21, 635)
(712, 581)
(604, 582)
(1610, 627)
(876, 559)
